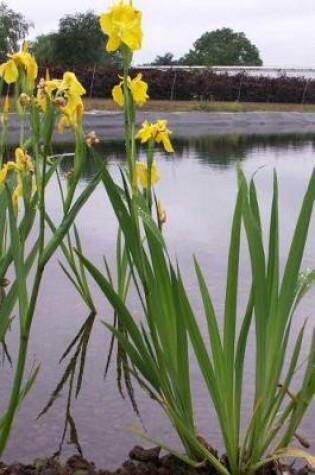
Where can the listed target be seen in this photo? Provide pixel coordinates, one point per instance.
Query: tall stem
(22, 127)
(15, 392)
(149, 173)
(129, 115)
(79, 156)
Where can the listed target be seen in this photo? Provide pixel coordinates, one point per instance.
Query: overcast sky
(283, 30)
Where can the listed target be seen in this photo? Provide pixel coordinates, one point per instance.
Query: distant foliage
(13, 28)
(166, 59)
(44, 48)
(223, 47)
(198, 85)
(79, 41)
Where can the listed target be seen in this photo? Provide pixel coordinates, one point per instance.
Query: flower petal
(113, 43)
(167, 144)
(3, 174)
(9, 71)
(118, 95)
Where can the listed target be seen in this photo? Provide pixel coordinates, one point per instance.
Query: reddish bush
(198, 84)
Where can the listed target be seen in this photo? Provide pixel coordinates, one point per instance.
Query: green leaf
(273, 257)
(240, 358)
(3, 221)
(122, 311)
(18, 258)
(271, 420)
(292, 268)
(213, 328)
(69, 218)
(257, 258)
(24, 229)
(127, 222)
(7, 305)
(230, 317)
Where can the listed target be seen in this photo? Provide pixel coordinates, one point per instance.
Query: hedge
(198, 85)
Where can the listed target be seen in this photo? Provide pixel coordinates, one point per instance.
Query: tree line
(79, 41)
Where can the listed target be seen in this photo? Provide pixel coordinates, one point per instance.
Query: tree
(44, 48)
(166, 60)
(13, 28)
(223, 47)
(80, 41)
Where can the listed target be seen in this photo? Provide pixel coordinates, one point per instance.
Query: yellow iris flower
(22, 164)
(73, 91)
(23, 59)
(6, 110)
(141, 174)
(161, 212)
(23, 160)
(50, 87)
(157, 132)
(28, 62)
(66, 94)
(68, 88)
(9, 71)
(71, 118)
(122, 24)
(138, 90)
(18, 191)
(71, 84)
(3, 174)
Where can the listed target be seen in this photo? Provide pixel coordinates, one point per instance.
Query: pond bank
(140, 462)
(109, 125)
(196, 124)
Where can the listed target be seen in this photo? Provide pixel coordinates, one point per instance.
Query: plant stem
(15, 393)
(149, 172)
(22, 127)
(128, 115)
(78, 163)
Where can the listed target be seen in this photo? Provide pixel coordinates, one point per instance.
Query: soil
(141, 462)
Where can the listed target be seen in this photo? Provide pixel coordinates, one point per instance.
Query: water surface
(198, 188)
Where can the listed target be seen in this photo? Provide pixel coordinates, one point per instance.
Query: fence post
(92, 81)
(242, 75)
(173, 87)
(304, 91)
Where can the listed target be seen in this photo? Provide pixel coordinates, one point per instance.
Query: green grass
(91, 104)
(204, 106)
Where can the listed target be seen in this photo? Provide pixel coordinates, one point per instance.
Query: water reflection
(224, 150)
(214, 150)
(198, 186)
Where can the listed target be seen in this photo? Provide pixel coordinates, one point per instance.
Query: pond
(198, 188)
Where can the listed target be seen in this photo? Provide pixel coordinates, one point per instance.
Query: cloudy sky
(283, 30)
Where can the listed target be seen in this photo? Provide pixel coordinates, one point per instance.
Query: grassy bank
(91, 104)
(206, 106)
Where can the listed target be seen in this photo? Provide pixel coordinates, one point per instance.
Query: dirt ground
(140, 462)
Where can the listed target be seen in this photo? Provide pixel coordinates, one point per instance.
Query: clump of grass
(158, 348)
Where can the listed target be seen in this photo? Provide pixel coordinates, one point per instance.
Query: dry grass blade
(80, 343)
